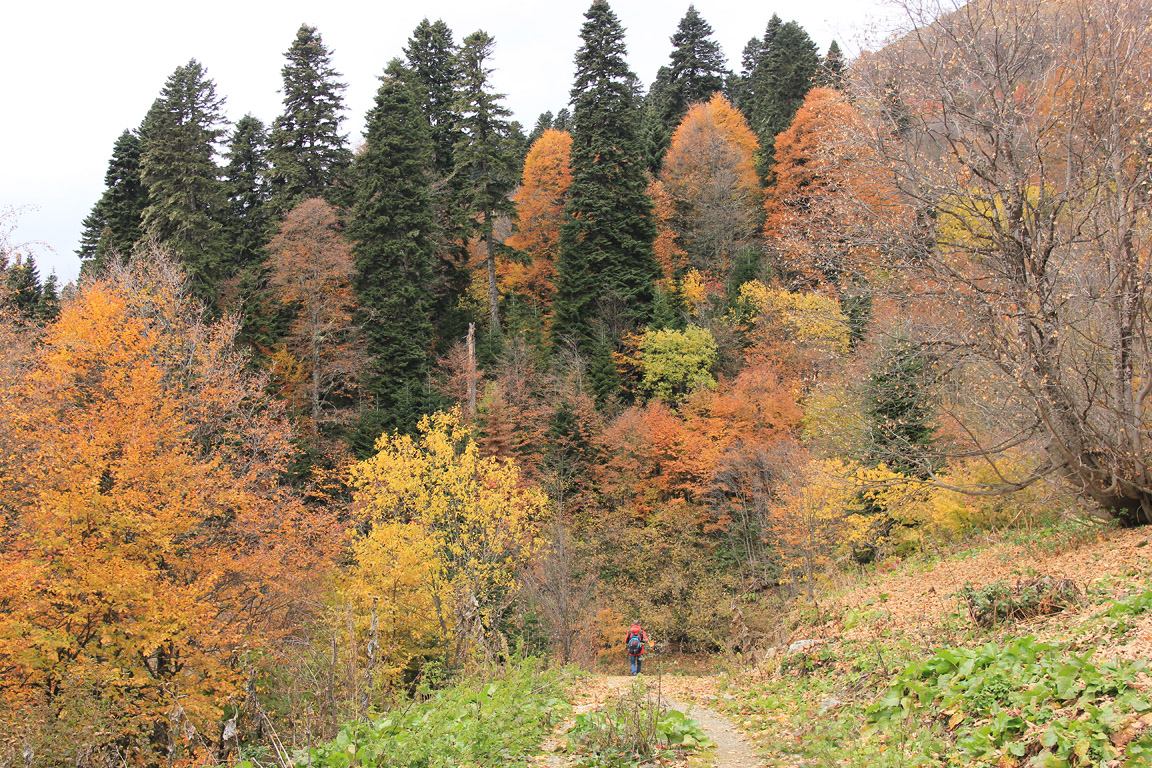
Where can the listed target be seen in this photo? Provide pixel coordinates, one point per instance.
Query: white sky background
(74, 75)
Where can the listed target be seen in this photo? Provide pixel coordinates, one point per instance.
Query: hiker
(635, 641)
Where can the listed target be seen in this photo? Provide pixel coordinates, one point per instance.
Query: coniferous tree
(48, 308)
(483, 159)
(899, 410)
(606, 268)
(750, 88)
(22, 286)
(391, 227)
(518, 145)
(543, 123)
(791, 63)
(246, 182)
(695, 72)
(434, 64)
(178, 169)
(308, 154)
(114, 225)
(563, 120)
(833, 70)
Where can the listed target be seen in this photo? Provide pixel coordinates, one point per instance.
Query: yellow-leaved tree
(147, 545)
(465, 523)
(810, 520)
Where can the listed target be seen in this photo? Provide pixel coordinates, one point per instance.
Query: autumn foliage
(709, 176)
(147, 542)
(540, 211)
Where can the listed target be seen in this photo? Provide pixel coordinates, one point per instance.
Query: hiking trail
(681, 692)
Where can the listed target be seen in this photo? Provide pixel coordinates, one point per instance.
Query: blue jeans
(635, 662)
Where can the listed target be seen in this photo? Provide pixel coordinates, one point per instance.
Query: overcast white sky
(76, 74)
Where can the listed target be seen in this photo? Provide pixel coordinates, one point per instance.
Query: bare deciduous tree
(1017, 130)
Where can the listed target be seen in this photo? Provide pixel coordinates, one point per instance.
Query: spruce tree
(606, 268)
(48, 308)
(484, 162)
(308, 154)
(391, 227)
(833, 71)
(434, 65)
(22, 286)
(246, 184)
(695, 72)
(899, 410)
(433, 59)
(543, 123)
(563, 120)
(751, 87)
(114, 225)
(791, 64)
(178, 168)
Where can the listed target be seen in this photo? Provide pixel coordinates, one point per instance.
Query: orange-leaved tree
(540, 211)
(311, 270)
(821, 214)
(710, 175)
(147, 542)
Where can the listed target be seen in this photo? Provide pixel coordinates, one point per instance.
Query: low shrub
(998, 602)
(1026, 700)
(493, 724)
(632, 730)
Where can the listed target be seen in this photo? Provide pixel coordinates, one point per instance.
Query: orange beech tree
(540, 211)
(312, 269)
(145, 540)
(821, 212)
(709, 174)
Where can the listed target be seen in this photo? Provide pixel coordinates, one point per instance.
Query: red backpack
(635, 640)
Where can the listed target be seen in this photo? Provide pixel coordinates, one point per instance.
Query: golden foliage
(476, 520)
(540, 212)
(812, 322)
(146, 540)
(710, 180)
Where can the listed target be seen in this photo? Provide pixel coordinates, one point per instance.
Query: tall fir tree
(833, 70)
(48, 308)
(114, 225)
(308, 153)
(790, 66)
(898, 406)
(749, 89)
(484, 156)
(178, 168)
(22, 286)
(246, 184)
(391, 226)
(606, 268)
(695, 72)
(543, 123)
(434, 63)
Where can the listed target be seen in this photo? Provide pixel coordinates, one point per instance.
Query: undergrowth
(500, 722)
(633, 730)
(986, 698)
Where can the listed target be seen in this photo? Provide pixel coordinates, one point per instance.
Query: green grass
(500, 722)
(633, 730)
(987, 698)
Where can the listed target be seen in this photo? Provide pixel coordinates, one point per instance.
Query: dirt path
(678, 692)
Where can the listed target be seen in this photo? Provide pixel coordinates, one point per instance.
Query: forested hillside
(330, 422)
